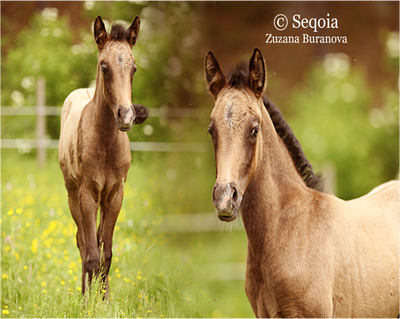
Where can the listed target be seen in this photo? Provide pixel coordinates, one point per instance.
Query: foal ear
(100, 33)
(258, 73)
(131, 35)
(215, 77)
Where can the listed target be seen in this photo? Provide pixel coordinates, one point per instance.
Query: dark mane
(117, 32)
(239, 79)
(292, 144)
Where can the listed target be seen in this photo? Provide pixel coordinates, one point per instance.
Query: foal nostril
(121, 113)
(213, 193)
(234, 193)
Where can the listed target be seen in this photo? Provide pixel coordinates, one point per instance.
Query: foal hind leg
(109, 211)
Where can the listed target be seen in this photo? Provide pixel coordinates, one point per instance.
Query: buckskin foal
(310, 254)
(94, 151)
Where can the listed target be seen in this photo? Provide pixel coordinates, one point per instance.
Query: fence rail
(41, 143)
(56, 111)
(28, 144)
(30, 110)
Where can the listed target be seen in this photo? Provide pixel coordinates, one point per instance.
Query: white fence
(41, 143)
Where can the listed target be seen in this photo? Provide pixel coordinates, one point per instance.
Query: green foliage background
(336, 114)
(333, 112)
(333, 116)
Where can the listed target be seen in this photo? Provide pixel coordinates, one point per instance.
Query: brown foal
(310, 254)
(94, 150)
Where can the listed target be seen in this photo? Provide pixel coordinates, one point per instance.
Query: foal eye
(255, 130)
(103, 69)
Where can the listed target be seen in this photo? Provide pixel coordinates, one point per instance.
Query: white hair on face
(122, 60)
(229, 114)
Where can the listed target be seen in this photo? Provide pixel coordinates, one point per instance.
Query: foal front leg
(109, 211)
(80, 234)
(88, 205)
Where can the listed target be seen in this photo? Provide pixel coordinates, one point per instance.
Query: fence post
(41, 121)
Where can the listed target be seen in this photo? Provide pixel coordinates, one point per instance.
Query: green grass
(155, 271)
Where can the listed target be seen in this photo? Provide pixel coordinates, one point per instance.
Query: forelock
(238, 77)
(118, 32)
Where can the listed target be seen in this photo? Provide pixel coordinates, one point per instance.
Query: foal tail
(292, 144)
(142, 113)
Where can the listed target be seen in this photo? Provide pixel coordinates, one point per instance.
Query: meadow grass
(154, 272)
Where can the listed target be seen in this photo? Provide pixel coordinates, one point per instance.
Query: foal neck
(103, 117)
(276, 191)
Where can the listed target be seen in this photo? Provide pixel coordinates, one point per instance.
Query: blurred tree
(333, 116)
(170, 64)
(44, 48)
(330, 118)
(386, 118)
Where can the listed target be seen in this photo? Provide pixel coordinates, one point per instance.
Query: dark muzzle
(226, 199)
(125, 117)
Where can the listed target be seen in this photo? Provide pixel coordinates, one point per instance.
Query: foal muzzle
(125, 117)
(226, 199)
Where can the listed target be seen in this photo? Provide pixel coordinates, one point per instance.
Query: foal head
(115, 69)
(235, 124)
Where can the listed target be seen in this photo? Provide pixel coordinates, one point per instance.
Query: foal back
(367, 256)
(70, 116)
(74, 103)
